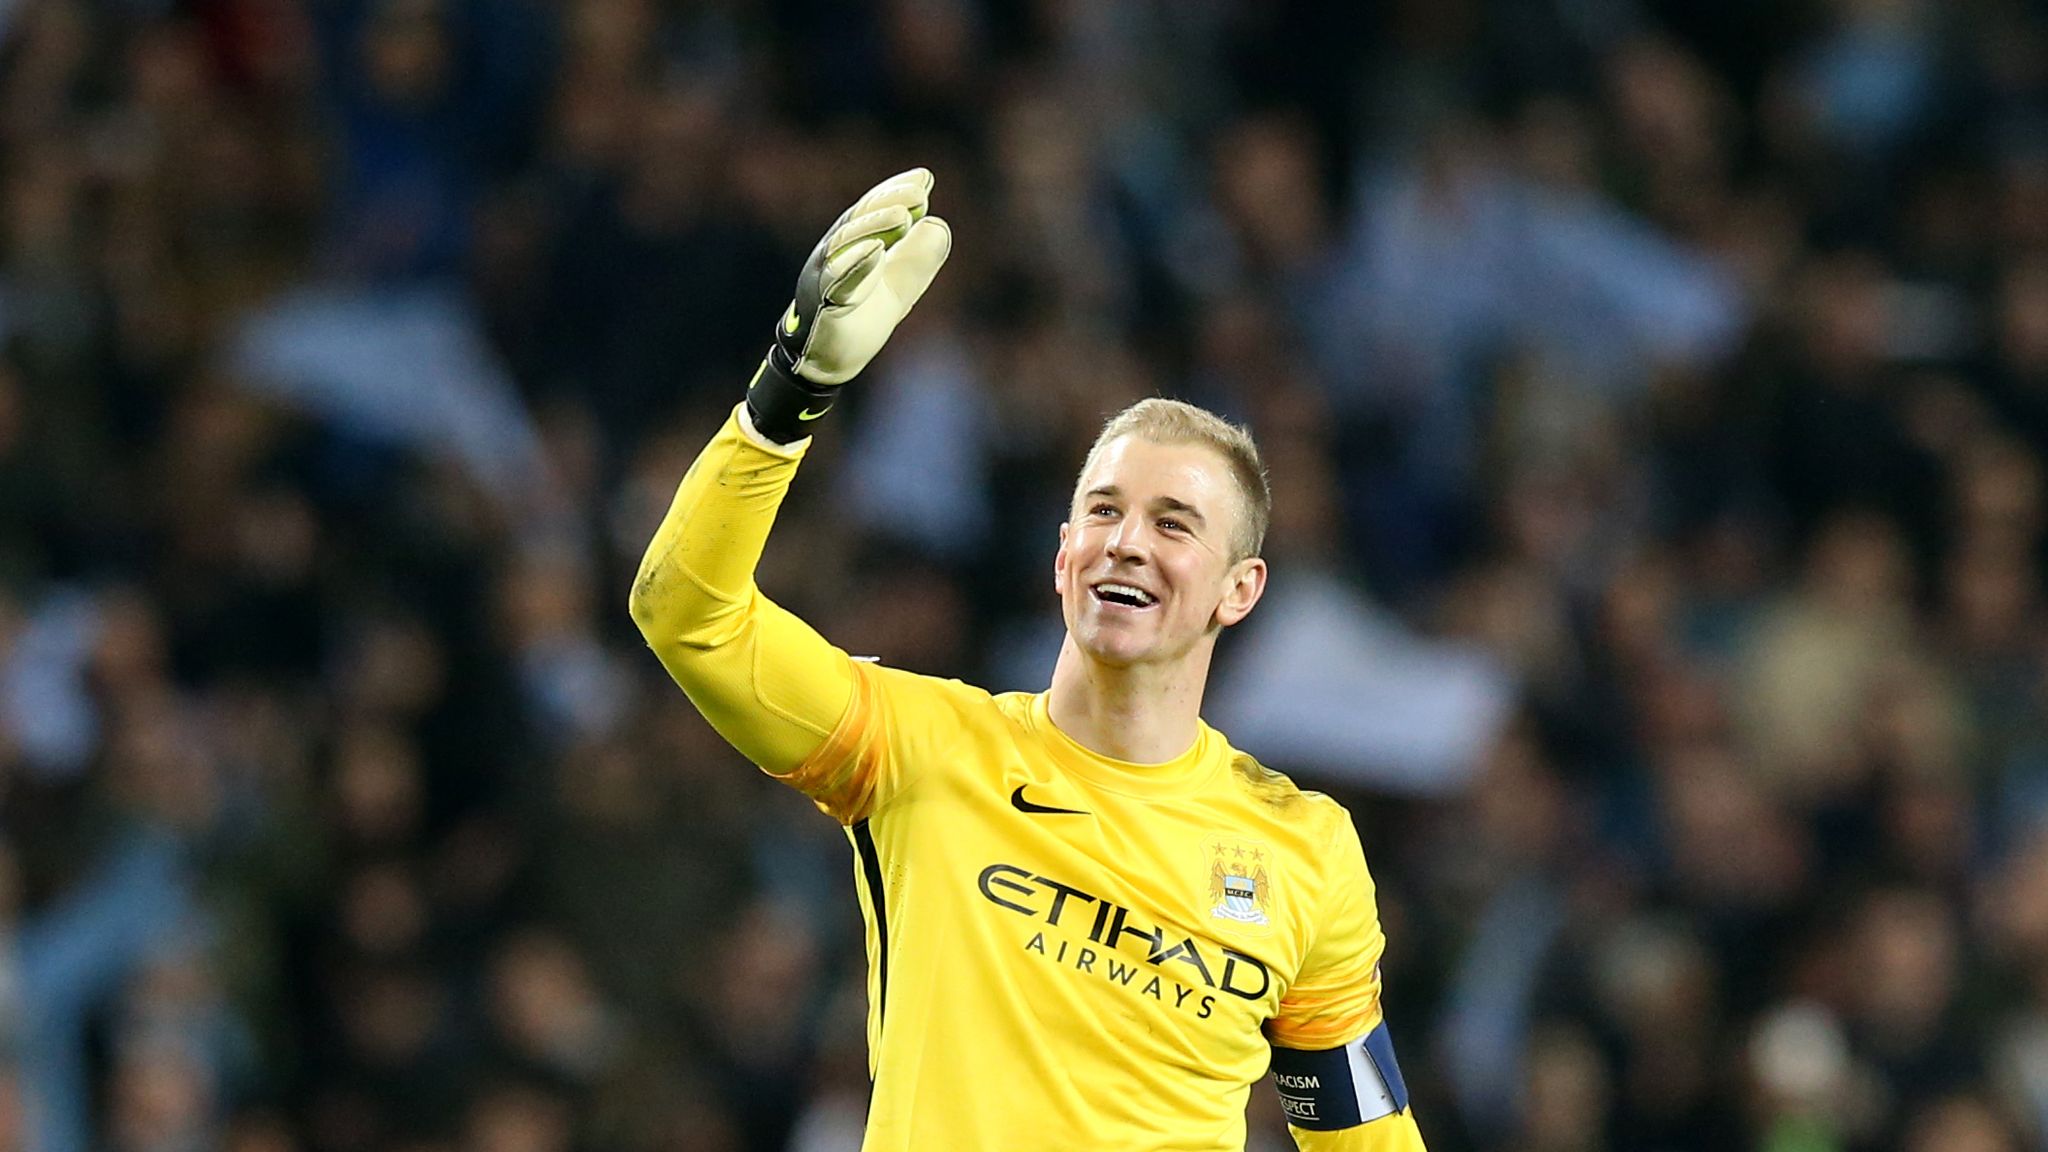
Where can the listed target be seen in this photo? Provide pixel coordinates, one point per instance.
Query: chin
(1114, 652)
(1113, 658)
(1130, 651)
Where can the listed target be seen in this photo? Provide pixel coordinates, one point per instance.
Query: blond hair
(1157, 420)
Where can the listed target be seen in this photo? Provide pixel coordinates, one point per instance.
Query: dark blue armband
(1341, 1087)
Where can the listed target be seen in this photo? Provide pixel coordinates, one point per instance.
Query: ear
(1247, 582)
(1059, 565)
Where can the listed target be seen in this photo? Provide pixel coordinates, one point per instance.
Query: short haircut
(1156, 420)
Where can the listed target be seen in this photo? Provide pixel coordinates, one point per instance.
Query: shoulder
(1319, 828)
(1275, 789)
(1317, 853)
(935, 689)
(933, 701)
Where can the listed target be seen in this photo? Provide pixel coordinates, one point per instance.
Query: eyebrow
(1169, 503)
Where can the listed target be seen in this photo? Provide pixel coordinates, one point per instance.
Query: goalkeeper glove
(861, 280)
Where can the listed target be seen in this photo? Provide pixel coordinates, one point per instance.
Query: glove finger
(914, 260)
(878, 223)
(911, 190)
(848, 271)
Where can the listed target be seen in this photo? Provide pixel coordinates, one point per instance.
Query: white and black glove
(861, 280)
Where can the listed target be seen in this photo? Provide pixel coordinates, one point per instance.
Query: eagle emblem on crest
(1240, 888)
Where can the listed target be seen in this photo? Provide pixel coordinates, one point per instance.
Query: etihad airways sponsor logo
(1114, 927)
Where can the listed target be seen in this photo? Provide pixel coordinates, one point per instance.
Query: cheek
(1201, 597)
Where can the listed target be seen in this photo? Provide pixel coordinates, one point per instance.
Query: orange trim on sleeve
(840, 777)
(1314, 1033)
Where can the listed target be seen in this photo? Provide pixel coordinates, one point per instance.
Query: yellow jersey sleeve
(897, 724)
(1396, 1133)
(1333, 1057)
(764, 679)
(847, 734)
(1336, 997)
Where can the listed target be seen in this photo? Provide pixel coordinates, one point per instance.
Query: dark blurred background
(1656, 395)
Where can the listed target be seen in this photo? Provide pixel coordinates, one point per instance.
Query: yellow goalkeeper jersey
(1065, 951)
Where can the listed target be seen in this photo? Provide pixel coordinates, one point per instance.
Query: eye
(1102, 510)
(1172, 525)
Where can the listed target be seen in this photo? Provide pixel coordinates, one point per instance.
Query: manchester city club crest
(1240, 882)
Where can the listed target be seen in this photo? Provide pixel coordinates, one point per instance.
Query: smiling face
(1147, 571)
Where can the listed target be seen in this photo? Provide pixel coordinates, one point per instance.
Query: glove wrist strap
(784, 405)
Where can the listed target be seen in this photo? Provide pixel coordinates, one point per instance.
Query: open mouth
(1123, 595)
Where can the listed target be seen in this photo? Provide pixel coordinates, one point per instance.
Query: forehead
(1142, 470)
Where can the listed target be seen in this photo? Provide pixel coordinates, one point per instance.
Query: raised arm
(765, 679)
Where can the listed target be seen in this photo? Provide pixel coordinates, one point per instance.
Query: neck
(1145, 714)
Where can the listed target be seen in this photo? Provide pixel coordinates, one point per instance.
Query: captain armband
(1340, 1087)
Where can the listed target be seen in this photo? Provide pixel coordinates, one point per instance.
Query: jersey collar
(1183, 774)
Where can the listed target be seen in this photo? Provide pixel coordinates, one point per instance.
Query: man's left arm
(1333, 1055)
(1362, 1105)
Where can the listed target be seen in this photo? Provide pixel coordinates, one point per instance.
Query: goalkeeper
(1091, 922)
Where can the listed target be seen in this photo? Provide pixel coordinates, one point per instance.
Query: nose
(1127, 540)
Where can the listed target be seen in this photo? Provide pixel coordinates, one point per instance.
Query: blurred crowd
(1656, 398)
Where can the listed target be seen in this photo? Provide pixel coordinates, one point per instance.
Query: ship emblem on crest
(1239, 884)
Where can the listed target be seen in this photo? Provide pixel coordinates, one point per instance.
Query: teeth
(1139, 594)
